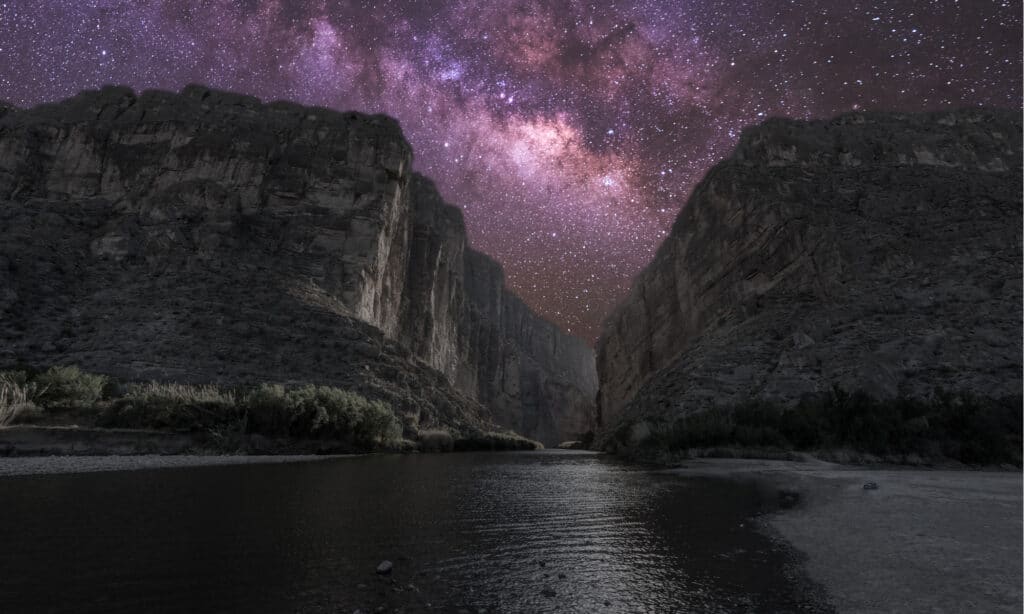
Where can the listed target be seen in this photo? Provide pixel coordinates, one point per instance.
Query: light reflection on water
(502, 532)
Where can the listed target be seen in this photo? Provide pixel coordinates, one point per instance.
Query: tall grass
(172, 406)
(15, 397)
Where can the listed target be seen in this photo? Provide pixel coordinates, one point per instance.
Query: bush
(320, 412)
(957, 426)
(268, 411)
(61, 388)
(178, 407)
(436, 441)
(492, 440)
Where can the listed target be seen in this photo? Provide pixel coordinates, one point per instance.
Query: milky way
(569, 132)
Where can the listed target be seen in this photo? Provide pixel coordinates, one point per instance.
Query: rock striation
(462, 319)
(874, 251)
(208, 237)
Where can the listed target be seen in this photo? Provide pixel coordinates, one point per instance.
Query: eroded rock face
(879, 252)
(534, 378)
(205, 236)
(522, 361)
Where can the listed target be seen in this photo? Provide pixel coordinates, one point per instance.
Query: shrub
(320, 412)
(267, 410)
(436, 441)
(492, 440)
(957, 426)
(173, 406)
(377, 424)
(68, 388)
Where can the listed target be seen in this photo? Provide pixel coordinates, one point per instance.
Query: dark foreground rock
(207, 237)
(874, 252)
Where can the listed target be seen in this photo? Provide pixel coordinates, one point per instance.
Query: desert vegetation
(68, 387)
(435, 440)
(850, 426)
(493, 440)
(60, 395)
(441, 440)
(16, 396)
(230, 419)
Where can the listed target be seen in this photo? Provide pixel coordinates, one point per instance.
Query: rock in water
(385, 568)
(207, 237)
(875, 251)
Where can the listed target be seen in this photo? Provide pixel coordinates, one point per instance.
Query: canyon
(207, 237)
(873, 252)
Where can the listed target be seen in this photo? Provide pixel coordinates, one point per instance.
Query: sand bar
(923, 541)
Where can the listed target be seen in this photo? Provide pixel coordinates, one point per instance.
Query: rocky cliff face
(205, 236)
(460, 317)
(879, 252)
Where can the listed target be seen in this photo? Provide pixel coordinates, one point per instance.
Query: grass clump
(62, 388)
(961, 427)
(16, 394)
(179, 407)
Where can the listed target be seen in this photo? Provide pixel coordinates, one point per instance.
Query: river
(496, 532)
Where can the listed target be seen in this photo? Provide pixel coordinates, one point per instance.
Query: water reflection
(516, 532)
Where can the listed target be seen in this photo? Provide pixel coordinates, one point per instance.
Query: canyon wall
(208, 237)
(876, 252)
(463, 320)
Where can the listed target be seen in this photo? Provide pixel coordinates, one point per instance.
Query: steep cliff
(876, 252)
(463, 320)
(207, 237)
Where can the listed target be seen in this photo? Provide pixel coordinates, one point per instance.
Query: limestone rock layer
(207, 237)
(875, 251)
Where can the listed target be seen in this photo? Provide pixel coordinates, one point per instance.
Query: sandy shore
(924, 541)
(36, 465)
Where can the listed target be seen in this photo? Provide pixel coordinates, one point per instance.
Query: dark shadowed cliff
(875, 252)
(207, 237)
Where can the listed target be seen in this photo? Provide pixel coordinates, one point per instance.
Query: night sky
(569, 132)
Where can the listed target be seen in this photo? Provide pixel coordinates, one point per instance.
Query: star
(553, 184)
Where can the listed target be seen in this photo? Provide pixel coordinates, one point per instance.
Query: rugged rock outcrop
(207, 237)
(535, 379)
(876, 252)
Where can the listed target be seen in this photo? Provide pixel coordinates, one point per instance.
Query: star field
(569, 132)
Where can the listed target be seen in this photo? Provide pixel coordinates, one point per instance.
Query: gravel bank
(38, 465)
(923, 541)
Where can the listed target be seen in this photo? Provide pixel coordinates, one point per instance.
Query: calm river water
(501, 532)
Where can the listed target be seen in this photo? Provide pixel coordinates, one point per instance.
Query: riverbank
(922, 541)
(31, 440)
(49, 465)
(65, 410)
